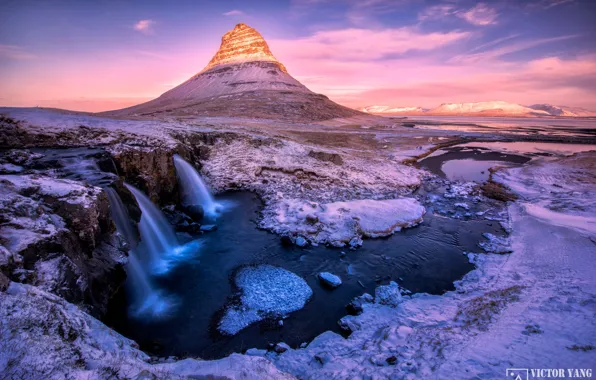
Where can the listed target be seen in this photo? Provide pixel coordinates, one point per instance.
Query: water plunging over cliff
(146, 298)
(159, 244)
(194, 189)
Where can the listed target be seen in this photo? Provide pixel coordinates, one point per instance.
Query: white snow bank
(45, 337)
(585, 223)
(561, 192)
(339, 222)
(267, 291)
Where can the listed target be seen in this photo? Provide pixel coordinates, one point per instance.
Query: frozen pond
(469, 170)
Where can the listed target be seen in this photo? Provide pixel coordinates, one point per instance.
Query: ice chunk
(267, 291)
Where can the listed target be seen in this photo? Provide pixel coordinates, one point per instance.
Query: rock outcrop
(45, 337)
(243, 44)
(57, 234)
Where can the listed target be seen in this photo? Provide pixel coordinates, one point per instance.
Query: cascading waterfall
(158, 240)
(157, 234)
(121, 218)
(147, 299)
(194, 190)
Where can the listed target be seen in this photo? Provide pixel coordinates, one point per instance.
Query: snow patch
(267, 291)
(338, 223)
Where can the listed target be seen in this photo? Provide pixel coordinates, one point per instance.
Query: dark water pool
(469, 164)
(427, 258)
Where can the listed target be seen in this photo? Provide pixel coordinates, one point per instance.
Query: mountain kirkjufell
(243, 79)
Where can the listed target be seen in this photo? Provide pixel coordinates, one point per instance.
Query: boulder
(195, 211)
(330, 280)
(390, 295)
(355, 306)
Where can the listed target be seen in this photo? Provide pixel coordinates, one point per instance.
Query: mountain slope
(242, 79)
(563, 110)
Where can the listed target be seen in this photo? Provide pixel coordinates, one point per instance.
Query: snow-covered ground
(531, 308)
(340, 223)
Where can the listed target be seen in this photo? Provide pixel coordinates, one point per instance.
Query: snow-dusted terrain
(343, 223)
(531, 308)
(563, 110)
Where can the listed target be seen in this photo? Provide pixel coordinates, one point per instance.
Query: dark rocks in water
(327, 157)
(286, 241)
(195, 211)
(106, 163)
(209, 227)
(281, 347)
(346, 328)
(329, 280)
(355, 306)
(176, 217)
(189, 227)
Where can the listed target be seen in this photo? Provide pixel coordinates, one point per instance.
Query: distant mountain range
(495, 108)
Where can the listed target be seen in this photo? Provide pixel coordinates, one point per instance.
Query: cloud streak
(508, 49)
(234, 12)
(355, 44)
(144, 26)
(16, 53)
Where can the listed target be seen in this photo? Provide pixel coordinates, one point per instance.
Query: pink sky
(357, 62)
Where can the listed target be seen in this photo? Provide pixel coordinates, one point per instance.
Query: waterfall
(157, 235)
(194, 190)
(158, 240)
(146, 298)
(121, 218)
